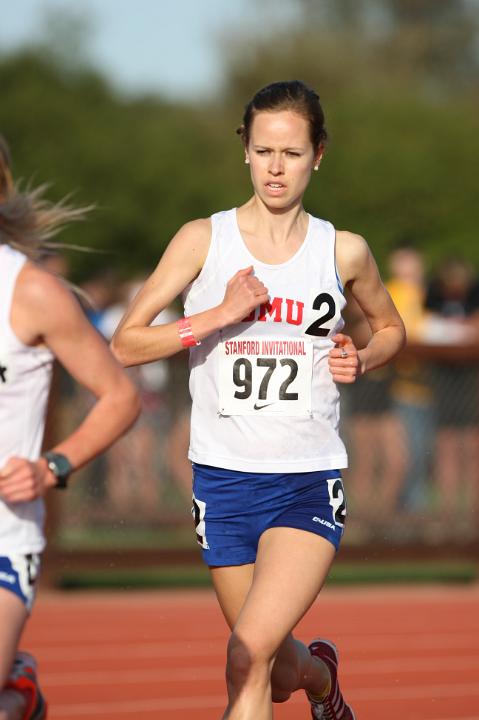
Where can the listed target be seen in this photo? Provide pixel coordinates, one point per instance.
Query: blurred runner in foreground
(40, 320)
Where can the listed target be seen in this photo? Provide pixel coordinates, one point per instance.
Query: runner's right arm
(135, 342)
(46, 313)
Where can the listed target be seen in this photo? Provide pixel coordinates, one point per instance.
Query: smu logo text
(278, 310)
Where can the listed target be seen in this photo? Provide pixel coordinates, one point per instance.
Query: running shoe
(332, 705)
(23, 678)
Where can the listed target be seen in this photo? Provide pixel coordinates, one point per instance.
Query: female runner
(40, 320)
(263, 294)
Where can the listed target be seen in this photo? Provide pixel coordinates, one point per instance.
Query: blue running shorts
(233, 509)
(19, 575)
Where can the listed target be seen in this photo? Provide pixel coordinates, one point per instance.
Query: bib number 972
(267, 376)
(243, 377)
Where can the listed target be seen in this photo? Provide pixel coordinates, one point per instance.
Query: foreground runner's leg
(13, 615)
(283, 587)
(23, 680)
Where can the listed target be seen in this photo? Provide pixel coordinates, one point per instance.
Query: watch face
(60, 467)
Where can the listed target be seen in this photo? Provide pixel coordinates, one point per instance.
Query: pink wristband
(186, 334)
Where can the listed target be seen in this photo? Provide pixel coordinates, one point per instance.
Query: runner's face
(281, 157)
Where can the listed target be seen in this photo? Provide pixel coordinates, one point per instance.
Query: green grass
(198, 576)
(421, 572)
(154, 578)
(119, 536)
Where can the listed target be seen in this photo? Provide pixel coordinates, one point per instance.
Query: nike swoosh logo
(260, 407)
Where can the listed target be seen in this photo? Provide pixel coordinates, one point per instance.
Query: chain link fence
(411, 430)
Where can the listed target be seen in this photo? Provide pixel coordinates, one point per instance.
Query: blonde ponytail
(28, 221)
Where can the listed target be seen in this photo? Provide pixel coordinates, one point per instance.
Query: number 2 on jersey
(324, 315)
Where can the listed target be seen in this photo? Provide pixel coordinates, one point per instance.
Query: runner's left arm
(359, 272)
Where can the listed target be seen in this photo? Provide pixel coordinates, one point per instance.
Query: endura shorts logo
(7, 577)
(322, 521)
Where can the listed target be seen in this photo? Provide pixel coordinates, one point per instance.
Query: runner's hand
(343, 360)
(22, 480)
(244, 293)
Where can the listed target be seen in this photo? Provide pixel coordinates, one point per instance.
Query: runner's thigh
(290, 569)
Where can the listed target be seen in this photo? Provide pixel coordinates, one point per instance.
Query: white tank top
(263, 396)
(25, 376)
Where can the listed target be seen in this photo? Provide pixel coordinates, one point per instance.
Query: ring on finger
(344, 353)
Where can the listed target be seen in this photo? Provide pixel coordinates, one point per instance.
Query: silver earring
(246, 161)
(316, 167)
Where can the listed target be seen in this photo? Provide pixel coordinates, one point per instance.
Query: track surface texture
(406, 653)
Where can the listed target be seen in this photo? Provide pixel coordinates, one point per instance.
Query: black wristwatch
(60, 466)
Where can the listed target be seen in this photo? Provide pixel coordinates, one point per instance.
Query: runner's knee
(246, 662)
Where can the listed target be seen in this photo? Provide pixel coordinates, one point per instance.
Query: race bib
(267, 376)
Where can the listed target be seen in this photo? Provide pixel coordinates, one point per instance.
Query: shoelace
(327, 712)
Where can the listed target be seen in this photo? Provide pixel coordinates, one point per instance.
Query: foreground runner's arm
(134, 342)
(46, 313)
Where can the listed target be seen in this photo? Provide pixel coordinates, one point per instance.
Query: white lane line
(410, 664)
(429, 693)
(137, 706)
(415, 692)
(414, 641)
(216, 672)
(181, 647)
(132, 677)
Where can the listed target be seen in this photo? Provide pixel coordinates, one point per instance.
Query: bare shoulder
(351, 245)
(193, 240)
(43, 304)
(199, 228)
(352, 254)
(39, 289)
(181, 262)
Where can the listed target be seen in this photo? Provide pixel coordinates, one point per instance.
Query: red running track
(406, 653)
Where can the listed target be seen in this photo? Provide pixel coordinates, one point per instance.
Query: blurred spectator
(453, 295)
(135, 467)
(375, 437)
(177, 445)
(453, 298)
(101, 291)
(410, 390)
(407, 289)
(141, 481)
(95, 294)
(55, 263)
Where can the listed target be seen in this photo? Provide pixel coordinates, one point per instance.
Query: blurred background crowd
(398, 81)
(411, 428)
